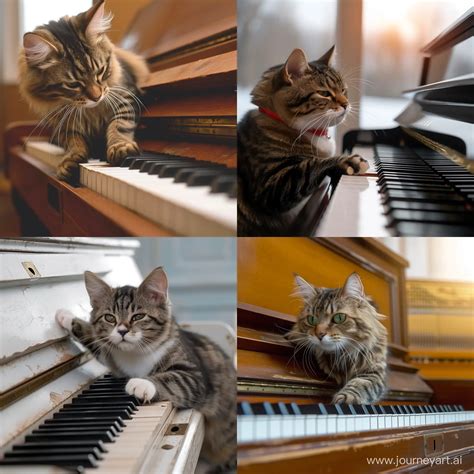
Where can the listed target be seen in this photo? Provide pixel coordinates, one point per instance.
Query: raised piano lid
(441, 112)
(37, 277)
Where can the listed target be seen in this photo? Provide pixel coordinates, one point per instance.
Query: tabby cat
(85, 88)
(133, 333)
(341, 329)
(284, 148)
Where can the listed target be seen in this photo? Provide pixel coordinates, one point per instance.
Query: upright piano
(60, 409)
(420, 181)
(285, 420)
(184, 183)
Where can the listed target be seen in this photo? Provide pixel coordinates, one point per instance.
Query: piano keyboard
(187, 196)
(415, 192)
(105, 429)
(268, 421)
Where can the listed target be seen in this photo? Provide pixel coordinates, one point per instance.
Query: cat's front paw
(141, 388)
(64, 319)
(117, 151)
(68, 169)
(354, 164)
(348, 398)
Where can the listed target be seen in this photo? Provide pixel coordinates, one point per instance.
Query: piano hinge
(434, 444)
(176, 429)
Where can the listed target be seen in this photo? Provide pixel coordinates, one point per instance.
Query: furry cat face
(128, 318)
(334, 320)
(71, 61)
(305, 95)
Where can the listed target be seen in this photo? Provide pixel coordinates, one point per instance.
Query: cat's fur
(281, 161)
(354, 352)
(163, 361)
(85, 88)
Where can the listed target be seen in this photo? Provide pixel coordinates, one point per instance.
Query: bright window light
(35, 13)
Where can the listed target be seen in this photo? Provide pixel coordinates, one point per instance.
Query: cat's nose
(321, 335)
(122, 332)
(94, 93)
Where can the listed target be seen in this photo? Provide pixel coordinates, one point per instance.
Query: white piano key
(331, 423)
(355, 209)
(341, 424)
(261, 427)
(275, 427)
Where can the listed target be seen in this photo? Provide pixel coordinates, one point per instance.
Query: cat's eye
(339, 318)
(312, 319)
(73, 85)
(138, 317)
(110, 318)
(324, 93)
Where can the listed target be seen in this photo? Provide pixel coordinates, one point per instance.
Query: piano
(184, 183)
(420, 181)
(60, 409)
(285, 420)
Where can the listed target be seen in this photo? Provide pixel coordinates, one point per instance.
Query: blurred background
(377, 43)
(201, 272)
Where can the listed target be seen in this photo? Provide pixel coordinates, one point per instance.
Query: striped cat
(341, 328)
(284, 149)
(133, 333)
(85, 88)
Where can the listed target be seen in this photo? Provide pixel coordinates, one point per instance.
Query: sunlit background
(394, 31)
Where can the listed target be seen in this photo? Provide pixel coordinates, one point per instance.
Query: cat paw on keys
(68, 169)
(354, 164)
(141, 388)
(347, 398)
(116, 152)
(64, 318)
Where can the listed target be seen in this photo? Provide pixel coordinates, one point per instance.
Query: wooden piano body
(42, 368)
(267, 372)
(190, 111)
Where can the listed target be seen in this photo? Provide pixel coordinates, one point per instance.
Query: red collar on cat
(320, 132)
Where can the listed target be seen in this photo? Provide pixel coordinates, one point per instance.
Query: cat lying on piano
(134, 334)
(84, 88)
(340, 327)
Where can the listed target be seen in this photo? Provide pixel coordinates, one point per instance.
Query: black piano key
(399, 215)
(448, 207)
(259, 409)
(360, 409)
(246, 408)
(183, 174)
(268, 408)
(296, 409)
(281, 408)
(422, 229)
(52, 450)
(339, 409)
(157, 166)
(79, 423)
(64, 436)
(202, 178)
(88, 443)
(74, 460)
(96, 413)
(92, 419)
(74, 429)
(223, 184)
(422, 196)
(170, 171)
(123, 397)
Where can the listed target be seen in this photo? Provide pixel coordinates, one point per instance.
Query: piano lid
(441, 111)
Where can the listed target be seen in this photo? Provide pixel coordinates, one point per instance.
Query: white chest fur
(138, 364)
(325, 147)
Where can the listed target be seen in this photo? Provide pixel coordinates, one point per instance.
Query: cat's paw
(117, 151)
(68, 169)
(354, 164)
(348, 398)
(64, 319)
(141, 388)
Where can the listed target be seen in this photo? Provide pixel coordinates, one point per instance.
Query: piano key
(88, 443)
(52, 450)
(64, 435)
(84, 460)
(223, 184)
(400, 215)
(422, 229)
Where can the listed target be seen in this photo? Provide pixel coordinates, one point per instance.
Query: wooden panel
(266, 267)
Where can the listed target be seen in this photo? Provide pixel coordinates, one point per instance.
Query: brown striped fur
(192, 371)
(84, 88)
(280, 162)
(353, 352)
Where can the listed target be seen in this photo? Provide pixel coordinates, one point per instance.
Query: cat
(284, 149)
(85, 88)
(341, 328)
(133, 332)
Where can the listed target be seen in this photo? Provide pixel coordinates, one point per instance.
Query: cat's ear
(296, 65)
(353, 286)
(97, 288)
(37, 49)
(328, 56)
(303, 289)
(155, 286)
(97, 21)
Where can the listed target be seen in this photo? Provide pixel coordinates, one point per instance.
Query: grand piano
(285, 420)
(185, 181)
(420, 181)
